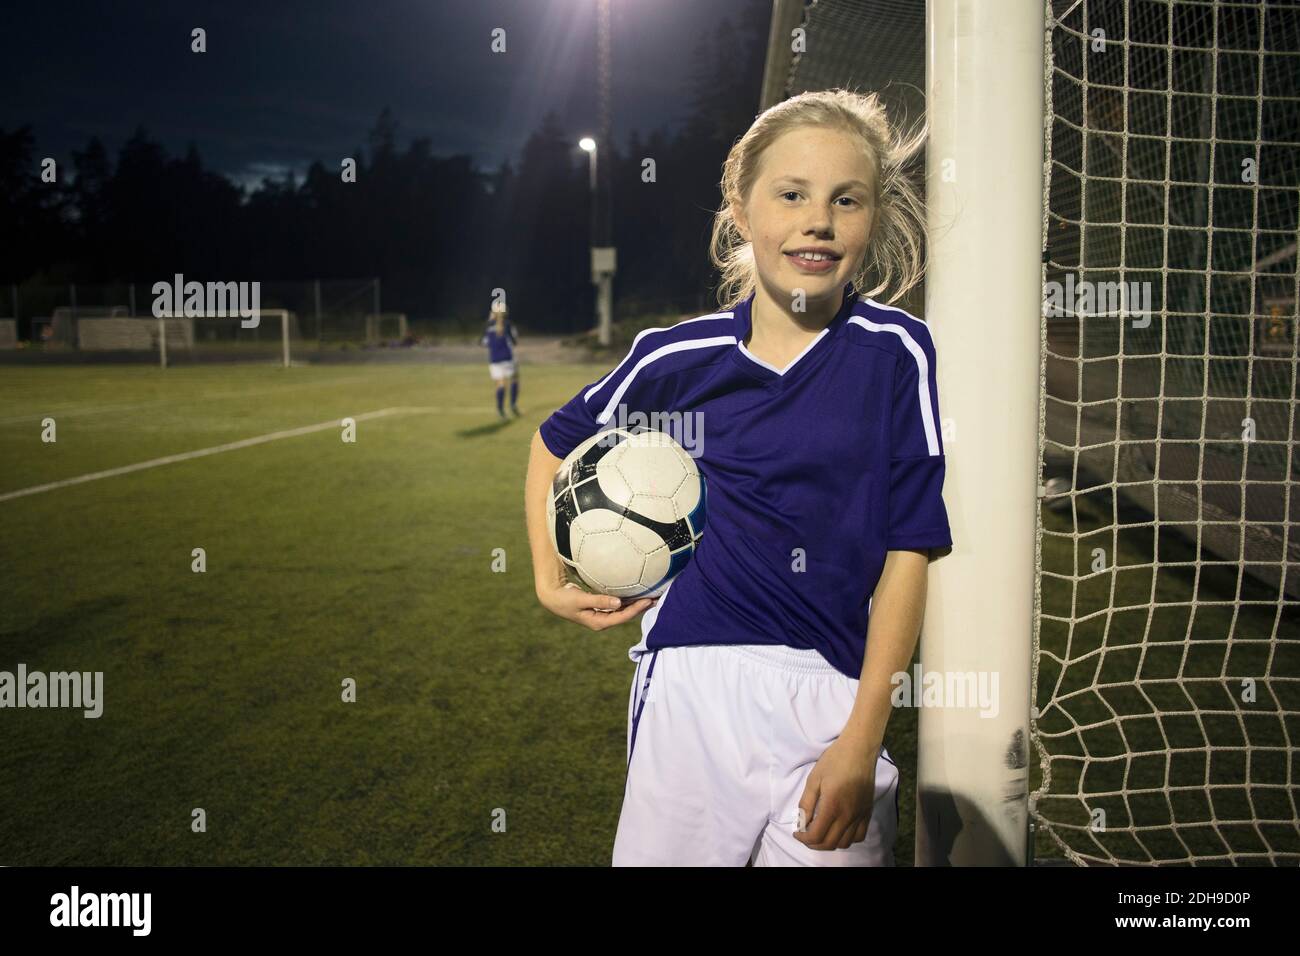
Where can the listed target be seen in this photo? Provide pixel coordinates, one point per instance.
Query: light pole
(603, 258)
(592, 149)
(602, 233)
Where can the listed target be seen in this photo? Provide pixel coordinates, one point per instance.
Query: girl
(757, 713)
(499, 337)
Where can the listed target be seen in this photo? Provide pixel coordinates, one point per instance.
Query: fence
(329, 311)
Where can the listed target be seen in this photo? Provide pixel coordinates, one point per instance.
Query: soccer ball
(626, 511)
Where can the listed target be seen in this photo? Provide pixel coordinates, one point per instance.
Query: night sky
(284, 83)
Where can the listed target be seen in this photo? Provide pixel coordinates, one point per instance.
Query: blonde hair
(895, 256)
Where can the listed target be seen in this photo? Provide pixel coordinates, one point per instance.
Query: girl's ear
(742, 224)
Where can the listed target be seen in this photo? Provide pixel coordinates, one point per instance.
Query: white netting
(1167, 645)
(272, 338)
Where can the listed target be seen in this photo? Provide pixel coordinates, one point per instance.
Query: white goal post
(268, 336)
(984, 196)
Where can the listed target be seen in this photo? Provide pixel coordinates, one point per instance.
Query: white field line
(235, 445)
(79, 409)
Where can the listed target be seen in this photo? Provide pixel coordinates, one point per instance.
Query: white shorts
(501, 370)
(721, 740)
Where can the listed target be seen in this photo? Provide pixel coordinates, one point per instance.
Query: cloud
(250, 175)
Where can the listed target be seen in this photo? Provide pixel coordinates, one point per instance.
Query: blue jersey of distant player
(815, 471)
(500, 346)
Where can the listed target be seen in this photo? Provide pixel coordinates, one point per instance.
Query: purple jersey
(814, 471)
(499, 346)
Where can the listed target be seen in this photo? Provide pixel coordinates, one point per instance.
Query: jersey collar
(766, 370)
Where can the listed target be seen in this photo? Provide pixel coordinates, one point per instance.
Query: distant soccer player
(500, 339)
(757, 715)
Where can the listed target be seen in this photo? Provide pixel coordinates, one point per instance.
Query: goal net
(386, 327)
(266, 337)
(1167, 660)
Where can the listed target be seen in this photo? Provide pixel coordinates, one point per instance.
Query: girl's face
(813, 192)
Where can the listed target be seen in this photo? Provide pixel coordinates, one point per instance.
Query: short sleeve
(570, 425)
(587, 412)
(918, 518)
(631, 386)
(645, 383)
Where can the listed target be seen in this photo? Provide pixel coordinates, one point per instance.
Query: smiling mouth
(805, 263)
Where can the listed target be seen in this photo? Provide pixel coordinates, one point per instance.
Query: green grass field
(325, 561)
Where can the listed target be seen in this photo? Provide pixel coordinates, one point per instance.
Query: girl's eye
(791, 192)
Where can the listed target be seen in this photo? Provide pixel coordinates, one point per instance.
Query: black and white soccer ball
(626, 511)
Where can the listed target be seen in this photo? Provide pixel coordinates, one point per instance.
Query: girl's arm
(548, 569)
(596, 611)
(897, 608)
(837, 801)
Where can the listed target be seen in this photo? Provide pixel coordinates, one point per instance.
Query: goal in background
(1166, 632)
(327, 315)
(386, 327)
(188, 339)
(266, 337)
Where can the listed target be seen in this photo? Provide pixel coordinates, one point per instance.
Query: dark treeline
(438, 233)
